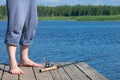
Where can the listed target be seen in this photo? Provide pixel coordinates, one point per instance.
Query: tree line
(77, 10)
(3, 11)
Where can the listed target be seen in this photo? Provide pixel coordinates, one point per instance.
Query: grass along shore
(79, 18)
(84, 18)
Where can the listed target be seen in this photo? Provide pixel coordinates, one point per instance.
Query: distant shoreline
(80, 18)
(84, 18)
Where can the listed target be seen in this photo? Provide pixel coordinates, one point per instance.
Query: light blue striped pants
(22, 22)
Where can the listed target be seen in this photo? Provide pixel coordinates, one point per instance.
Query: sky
(73, 2)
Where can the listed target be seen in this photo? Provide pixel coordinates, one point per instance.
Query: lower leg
(24, 59)
(14, 69)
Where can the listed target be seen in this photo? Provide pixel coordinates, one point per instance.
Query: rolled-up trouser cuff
(11, 42)
(27, 37)
(12, 37)
(15, 38)
(26, 42)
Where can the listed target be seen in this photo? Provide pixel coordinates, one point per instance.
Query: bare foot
(30, 63)
(15, 70)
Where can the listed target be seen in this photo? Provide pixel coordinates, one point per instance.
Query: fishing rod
(49, 66)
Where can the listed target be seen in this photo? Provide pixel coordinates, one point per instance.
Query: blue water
(95, 42)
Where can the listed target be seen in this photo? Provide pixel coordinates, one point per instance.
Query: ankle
(13, 66)
(13, 63)
(24, 58)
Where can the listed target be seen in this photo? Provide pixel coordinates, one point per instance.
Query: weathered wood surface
(66, 71)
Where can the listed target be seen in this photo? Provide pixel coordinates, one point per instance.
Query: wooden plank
(74, 72)
(43, 75)
(28, 74)
(62, 72)
(93, 74)
(1, 71)
(55, 75)
(8, 76)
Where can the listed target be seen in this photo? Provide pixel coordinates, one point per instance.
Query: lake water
(95, 42)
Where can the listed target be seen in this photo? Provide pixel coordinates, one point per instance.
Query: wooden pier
(67, 71)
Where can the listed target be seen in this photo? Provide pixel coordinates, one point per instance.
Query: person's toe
(16, 71)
